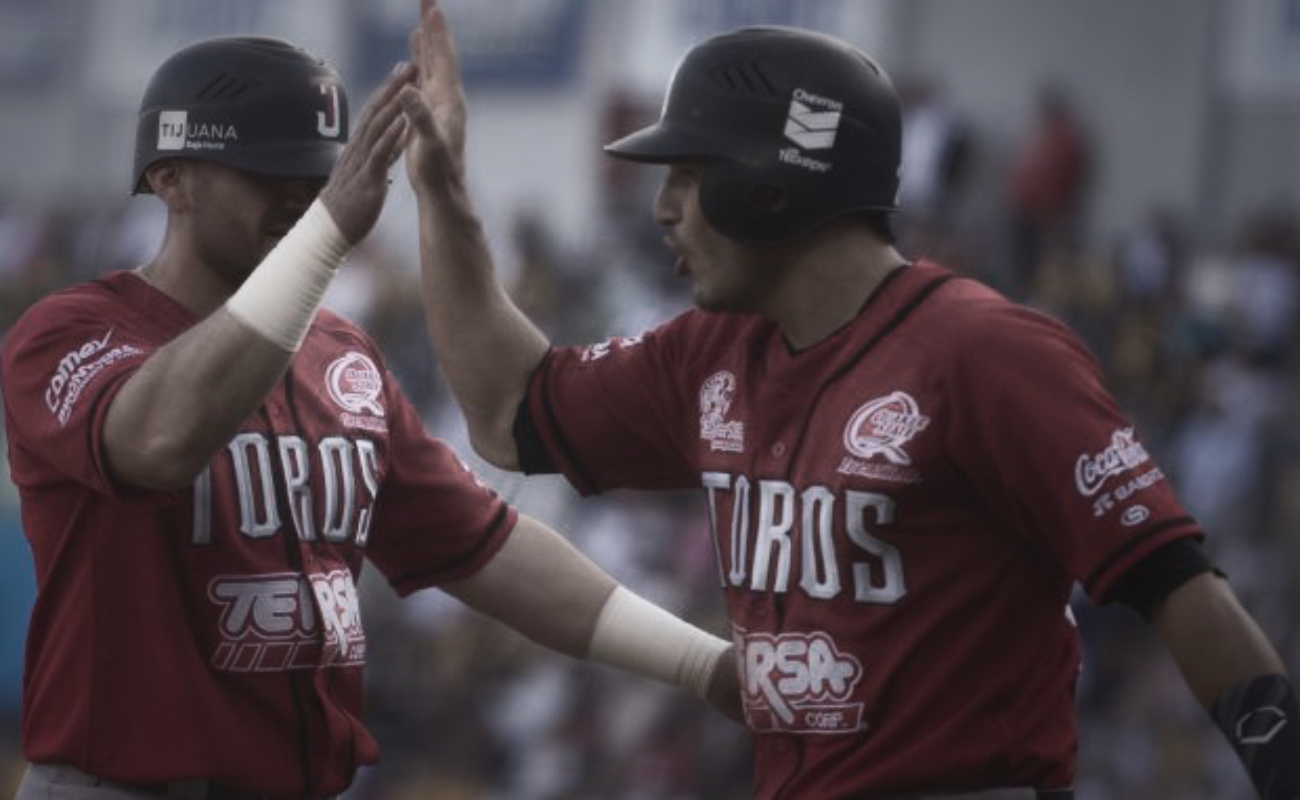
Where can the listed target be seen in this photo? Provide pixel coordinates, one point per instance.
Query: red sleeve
(611, 415)
(434, 520)
(1049, 447)
(62, 364)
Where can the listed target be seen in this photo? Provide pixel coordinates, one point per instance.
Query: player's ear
(166, 180)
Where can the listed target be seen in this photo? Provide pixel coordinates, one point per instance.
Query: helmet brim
(663, 144)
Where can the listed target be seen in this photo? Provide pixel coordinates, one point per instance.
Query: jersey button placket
(767, 605)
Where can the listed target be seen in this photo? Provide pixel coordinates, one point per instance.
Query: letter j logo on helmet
(329, 122)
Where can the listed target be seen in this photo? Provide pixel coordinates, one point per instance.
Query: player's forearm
(541, 586)
(1214, 640)
(1237, 675)
(486, 347)
(190, 397)
(187, 401)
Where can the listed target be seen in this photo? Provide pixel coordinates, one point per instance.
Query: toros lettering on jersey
(348, 471)
(757, 525)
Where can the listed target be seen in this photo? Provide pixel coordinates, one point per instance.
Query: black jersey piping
(799, 756)
(294, 558)
(923, 293)
(1130, 545)
(315, 543)
(899, 317)
(880, 289)
(579, 471)
(497, 521)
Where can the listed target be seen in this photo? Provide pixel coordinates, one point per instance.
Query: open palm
(436, 109)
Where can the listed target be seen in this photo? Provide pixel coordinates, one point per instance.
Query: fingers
(416, 112)
(432, 48)
(392, 140)
(380, 136)
(382, 107)
(358, 184)
(416, 45)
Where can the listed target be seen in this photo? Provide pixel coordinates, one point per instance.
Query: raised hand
(435, 153)
(358, 184)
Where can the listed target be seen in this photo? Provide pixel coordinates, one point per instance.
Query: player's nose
(668, 205)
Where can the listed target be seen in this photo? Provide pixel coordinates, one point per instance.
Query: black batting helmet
(797, 128)
(256, 103)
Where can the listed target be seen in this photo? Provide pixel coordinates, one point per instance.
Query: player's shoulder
(690, 336)
(98, 303)
(975, 323)
(699, 330)
(91, 294)
(965, 305)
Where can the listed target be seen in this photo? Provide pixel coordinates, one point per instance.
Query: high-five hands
(435, 107)
(358, 184)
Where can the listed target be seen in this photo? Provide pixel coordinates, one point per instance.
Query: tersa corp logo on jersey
(284, 621)
(176, 132)
(800, 683)
(811, 123)
(882, 428)
(77, 368)
(356, 385)
(716, 394)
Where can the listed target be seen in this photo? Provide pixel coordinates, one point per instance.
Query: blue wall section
(17, 591)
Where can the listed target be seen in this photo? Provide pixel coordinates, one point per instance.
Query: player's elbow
(492, 435)
(495, 447)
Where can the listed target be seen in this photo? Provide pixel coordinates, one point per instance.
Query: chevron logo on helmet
(813, 121)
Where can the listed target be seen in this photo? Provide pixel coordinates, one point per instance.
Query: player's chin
(723, 297)
(710, 301)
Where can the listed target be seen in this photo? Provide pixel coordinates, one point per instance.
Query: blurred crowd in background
(1199, 340)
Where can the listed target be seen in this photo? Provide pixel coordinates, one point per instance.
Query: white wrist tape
(633, 634)
(279, 299)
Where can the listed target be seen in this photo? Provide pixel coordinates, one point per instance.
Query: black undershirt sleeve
(533, 457)
(1148, 582)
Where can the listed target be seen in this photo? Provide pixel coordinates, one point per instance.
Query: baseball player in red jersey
(205, 462)
(906, 473)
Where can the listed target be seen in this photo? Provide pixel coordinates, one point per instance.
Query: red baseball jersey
(899, 513)
(215, 631)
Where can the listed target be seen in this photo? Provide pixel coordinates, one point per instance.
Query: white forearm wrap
(635, 635)
(279, 299)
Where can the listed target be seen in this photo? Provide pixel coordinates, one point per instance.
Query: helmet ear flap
(769, 198)
(745, 205)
